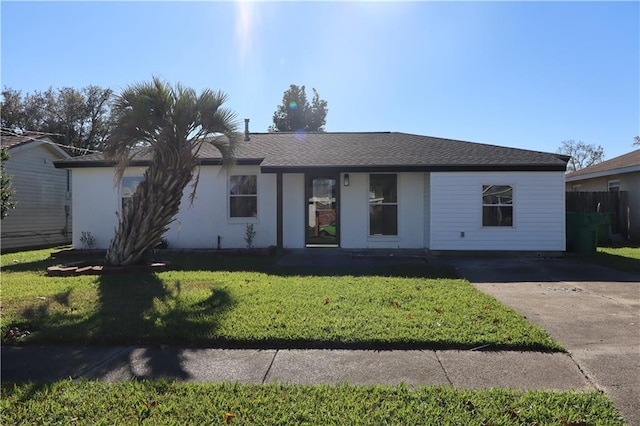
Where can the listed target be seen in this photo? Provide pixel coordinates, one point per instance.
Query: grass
(207, 301)
(146, 402)
(622, 258)
(276, 308)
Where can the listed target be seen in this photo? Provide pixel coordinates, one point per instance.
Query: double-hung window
(243, 196)
(383, 204)
(129, 185)
(497, 205)
(614, 185)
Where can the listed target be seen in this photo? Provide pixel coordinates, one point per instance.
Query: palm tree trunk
(153, 207)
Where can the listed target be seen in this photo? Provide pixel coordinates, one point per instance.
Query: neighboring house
(42, 216)
(617, 174)
(349, 190)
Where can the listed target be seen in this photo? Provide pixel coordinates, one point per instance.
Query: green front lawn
(147, 402)
(266, 307)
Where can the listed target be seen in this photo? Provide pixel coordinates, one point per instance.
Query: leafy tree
(169, 125)
(582, 154)
(295, 113)
(78, 118)
(7, 193)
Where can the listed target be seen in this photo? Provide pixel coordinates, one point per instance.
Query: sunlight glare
(244, 35)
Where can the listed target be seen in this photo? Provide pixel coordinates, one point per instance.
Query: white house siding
(427, 209)
(293, 206)
(40, 217)
(95, 203)
(196, 226)
(539, 212)
(200, 224)
(354, 213)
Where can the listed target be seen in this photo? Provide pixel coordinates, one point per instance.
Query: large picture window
(129, 185)
(243, 196)
(383, 204)
(497, 205)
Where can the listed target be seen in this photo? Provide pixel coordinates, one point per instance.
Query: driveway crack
(443, 369)
(264, 379)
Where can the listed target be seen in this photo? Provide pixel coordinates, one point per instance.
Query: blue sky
(526, 75)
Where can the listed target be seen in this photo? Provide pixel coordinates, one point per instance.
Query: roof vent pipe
(246, 130)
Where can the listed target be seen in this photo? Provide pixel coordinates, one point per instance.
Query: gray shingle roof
(612, 165)
(11, 140)
(291, 152)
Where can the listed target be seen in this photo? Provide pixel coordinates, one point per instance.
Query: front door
(323, 218)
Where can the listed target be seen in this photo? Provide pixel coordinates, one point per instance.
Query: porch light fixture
(346, 179)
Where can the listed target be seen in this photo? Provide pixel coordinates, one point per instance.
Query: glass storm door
(322, 211)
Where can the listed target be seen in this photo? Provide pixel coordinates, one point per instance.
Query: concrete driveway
(592, 310)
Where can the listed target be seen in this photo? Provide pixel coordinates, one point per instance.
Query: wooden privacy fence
(610, 202)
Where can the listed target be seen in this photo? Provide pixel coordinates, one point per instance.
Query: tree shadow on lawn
(344, 266)
(37, 266)
(136, 309)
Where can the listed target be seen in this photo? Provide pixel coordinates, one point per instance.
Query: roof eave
(604, 173)
(66, 164)
(415, 168)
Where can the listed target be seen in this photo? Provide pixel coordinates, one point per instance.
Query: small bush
(163, 244)
(88, 241)
(249, 235)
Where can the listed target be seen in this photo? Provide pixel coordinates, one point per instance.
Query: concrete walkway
(464, 369)
(593, 311)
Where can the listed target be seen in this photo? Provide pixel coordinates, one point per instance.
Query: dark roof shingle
(370, 151)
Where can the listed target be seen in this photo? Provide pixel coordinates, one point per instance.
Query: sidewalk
(462, 369)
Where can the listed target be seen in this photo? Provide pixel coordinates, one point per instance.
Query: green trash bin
(582, 232)
(604, 230)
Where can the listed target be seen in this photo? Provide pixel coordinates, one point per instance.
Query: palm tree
(168, 125)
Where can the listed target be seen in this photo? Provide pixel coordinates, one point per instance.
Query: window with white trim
(243, 196)
(614, 185)
(383, 204)
(497, 205)
(128, 186)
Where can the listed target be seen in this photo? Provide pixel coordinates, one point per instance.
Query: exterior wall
(539, 212)
(42, 216)
(200, 224)
(293, 206)
(95, 203)
(427, 209)
(354, 213)
(590, 185)
(196, 226)
(629, 182)
(433, 209)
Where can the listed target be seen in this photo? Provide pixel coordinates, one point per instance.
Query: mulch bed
(95, 266)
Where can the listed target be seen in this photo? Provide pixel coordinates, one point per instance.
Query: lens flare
(293, 105)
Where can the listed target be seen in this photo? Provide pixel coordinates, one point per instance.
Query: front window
(129, 186)
(614, 185)
(497, 205)
(243, 196)
(383, 204)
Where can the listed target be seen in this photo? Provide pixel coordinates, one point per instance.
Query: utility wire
(37, 135)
